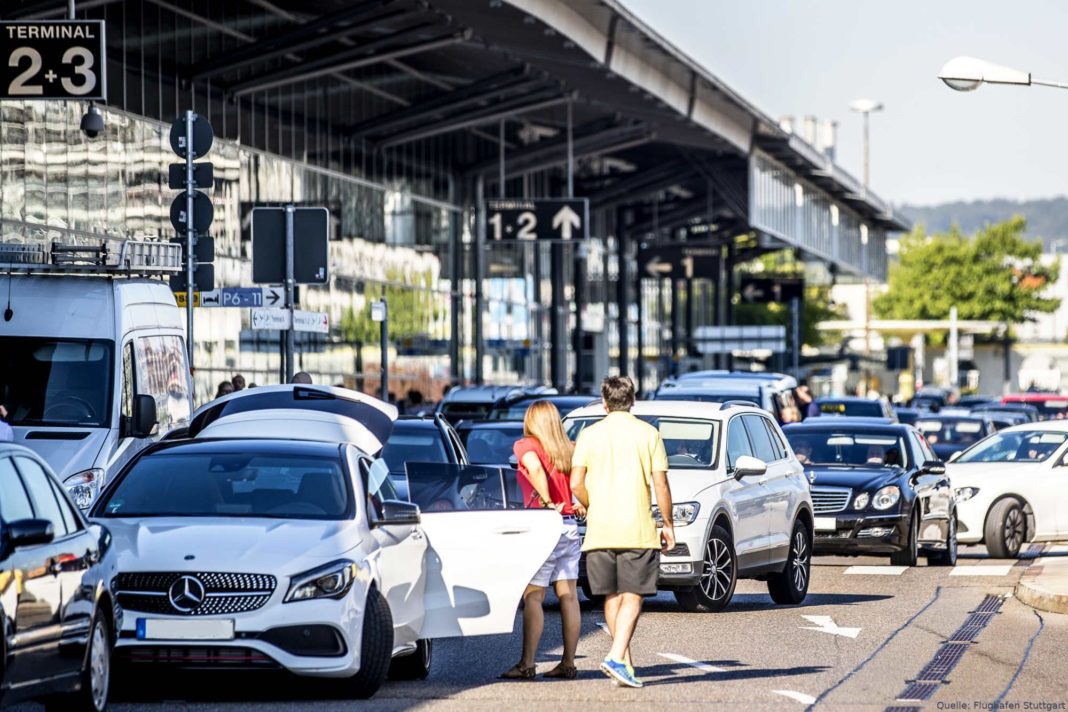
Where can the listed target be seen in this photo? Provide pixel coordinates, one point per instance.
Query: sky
(930, 144)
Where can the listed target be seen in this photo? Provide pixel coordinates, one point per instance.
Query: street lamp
(967, 73)
(866, 107)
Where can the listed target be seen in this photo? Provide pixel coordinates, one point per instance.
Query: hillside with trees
(1046, 218)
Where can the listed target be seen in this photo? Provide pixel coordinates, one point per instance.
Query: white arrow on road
(566, 219)
(656, 268)
(798, 696)
(826, 624)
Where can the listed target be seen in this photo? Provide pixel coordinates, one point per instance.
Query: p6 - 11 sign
(64, 59)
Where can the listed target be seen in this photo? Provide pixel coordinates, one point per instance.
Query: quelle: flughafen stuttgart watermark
(1044, 705)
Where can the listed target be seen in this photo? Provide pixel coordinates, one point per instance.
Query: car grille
(223, 593)
(198, 657)
(828, 500)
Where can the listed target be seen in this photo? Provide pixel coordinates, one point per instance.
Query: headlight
(682, 513)
(963, 494)
(861, 501)
(84, 486)
(886, 498)
(330, 581)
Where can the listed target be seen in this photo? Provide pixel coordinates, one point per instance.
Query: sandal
(565, 672)
(518, 672)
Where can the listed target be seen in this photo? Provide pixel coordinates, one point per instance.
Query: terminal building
(401, 117)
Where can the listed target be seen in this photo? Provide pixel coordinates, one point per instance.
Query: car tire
(415, 666)
(719, 575)
(911, 553)
(94, 681)
(949, 556)
(376, 648)
(1005, 529)
(790, 586)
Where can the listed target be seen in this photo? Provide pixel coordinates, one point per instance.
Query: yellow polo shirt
(620, 455)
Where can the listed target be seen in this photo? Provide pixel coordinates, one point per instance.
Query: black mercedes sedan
(877, 488)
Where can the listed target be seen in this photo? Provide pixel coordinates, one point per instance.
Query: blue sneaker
(619, 673)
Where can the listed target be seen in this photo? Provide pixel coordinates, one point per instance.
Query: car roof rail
(132, 257)
(737, 402)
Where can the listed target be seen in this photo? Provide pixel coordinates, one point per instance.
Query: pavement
(869, 637)
(1044, 585)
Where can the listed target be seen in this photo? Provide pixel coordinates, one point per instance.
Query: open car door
(481, 555)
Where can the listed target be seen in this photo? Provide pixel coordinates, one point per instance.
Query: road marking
(704, 667)
(826, 624)
(981, 570)
(798, 696)
(877, 570)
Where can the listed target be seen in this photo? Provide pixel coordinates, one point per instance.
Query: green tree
(412, 310)
(993, 275)
(816, 307)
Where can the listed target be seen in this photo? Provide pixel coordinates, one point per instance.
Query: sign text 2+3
(64, 59)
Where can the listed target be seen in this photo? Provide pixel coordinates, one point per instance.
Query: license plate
(825, 524)
(153, 629)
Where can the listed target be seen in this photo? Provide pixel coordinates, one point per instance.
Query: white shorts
(563, 563)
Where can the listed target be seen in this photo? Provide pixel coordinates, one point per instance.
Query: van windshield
(56, 382)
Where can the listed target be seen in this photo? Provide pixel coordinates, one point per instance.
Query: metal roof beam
(601, 147)
(473, 93)
(313, 34)
(51, 9)
(641, 184)
(354, 59)
(508, 109)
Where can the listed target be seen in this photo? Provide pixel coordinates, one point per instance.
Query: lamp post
(967, 73)
(865, 107)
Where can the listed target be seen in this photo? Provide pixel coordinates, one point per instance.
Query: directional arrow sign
(537, 218)
(826, 624)
(656, 268)
(679, 260)
(564, 220)
(762, 290)
(274, 296)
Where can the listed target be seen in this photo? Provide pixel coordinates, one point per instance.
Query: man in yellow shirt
(616, 461)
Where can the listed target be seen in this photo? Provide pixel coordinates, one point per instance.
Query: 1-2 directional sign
(537, 219)
(677, 260)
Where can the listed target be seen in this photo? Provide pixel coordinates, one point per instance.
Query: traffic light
(192, 211)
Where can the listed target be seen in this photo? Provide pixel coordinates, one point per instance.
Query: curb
(1051, 595)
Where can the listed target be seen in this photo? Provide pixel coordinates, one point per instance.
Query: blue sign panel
(232, 297)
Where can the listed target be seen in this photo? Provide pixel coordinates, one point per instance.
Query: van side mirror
(28, 532)
(749, 466)
(143, 420)
(399, 513)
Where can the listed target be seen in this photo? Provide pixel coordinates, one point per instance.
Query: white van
(92, 369)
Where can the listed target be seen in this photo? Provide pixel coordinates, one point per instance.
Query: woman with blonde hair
(544, 456)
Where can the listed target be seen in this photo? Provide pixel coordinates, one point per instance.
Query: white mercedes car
(742, 507)
(1012, 488)
(271, 539)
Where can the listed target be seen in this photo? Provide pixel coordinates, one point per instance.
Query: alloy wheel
(799, 552)
(1014, 529)
(716, 577)
(99, 666)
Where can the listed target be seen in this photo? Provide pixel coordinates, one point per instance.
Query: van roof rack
(125, 257)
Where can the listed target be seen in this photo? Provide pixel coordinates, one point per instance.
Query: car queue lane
(753, 655)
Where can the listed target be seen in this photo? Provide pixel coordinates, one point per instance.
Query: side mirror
(749, 466)
(143, 420)
(28, 532)
(935, 467)
(398, 513)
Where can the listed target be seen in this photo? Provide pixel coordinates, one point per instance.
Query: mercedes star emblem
(812, 477)
(186, 594)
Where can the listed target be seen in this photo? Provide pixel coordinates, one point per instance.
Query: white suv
(742, 507)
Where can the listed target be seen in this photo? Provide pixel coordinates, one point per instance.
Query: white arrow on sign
(566, 219)
(264, 318)
(826, 624)
(656, 268)
(751, 293)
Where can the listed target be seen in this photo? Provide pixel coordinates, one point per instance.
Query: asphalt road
(858, 641)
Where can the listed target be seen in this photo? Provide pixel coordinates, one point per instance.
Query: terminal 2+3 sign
(537, 219)
(63, 59)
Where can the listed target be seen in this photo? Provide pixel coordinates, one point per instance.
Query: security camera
(92, 121)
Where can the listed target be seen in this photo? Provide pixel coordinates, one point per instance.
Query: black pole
(385, 350)
(480, 242)
(639, 362)
(578, 339)
(676, 325)
(557, 321)
(621, 294)
(728, 297)
(456, 304)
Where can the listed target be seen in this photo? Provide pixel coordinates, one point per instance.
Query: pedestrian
(616, 461)
(416, 404)
(803, 396)
(302, 377)
(225, 388)
(544, 455)
(7, 434)
(238, 382)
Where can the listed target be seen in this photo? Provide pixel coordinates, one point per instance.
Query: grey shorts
(623, 571)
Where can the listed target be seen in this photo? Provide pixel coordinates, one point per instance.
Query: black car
(1026, 409)
(877, 488)
(421, 439)
(490, 442)
(58, 618)
(950, 434)
(908, 416)
(515, 407)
